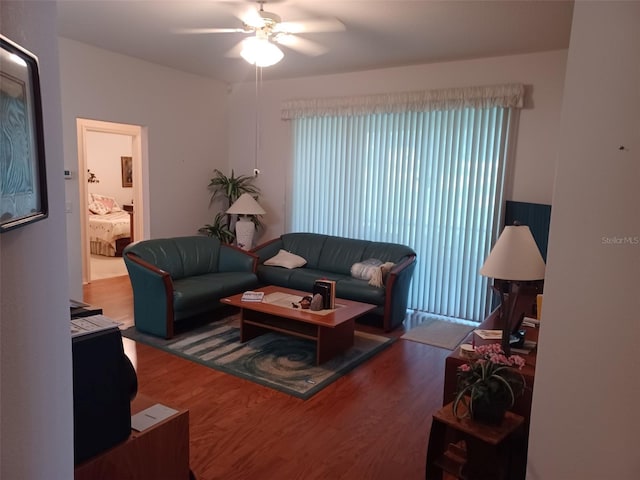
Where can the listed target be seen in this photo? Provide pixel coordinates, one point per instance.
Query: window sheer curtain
(425, 169)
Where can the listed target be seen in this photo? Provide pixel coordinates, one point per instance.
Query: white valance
(507, 96)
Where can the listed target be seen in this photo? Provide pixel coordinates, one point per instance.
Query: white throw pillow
(286, 259)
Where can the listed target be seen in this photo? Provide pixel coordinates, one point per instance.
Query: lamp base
(516, 340)
(244, 233)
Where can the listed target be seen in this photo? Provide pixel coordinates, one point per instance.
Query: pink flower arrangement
(492, 352)
(489, 378)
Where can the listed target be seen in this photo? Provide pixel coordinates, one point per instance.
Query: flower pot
(486, 411)
(488, 385)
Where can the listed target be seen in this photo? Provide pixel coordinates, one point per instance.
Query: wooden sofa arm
(167, 283)
(395, 277)
(149, 266)
(397, 270)
(267, 249)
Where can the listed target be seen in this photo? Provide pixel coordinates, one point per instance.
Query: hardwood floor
(113, 295)
(372, 423)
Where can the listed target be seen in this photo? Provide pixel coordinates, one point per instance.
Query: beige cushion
(286, 259)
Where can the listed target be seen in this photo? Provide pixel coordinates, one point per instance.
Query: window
(431, 179)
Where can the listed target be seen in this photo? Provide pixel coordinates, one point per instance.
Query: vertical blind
(432, 180)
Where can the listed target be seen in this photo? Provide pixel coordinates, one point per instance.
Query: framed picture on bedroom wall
(23, 176)
(127, 171)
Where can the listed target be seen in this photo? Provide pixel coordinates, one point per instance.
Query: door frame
(138, 149)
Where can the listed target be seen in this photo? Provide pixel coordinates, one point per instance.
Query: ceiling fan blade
(302, 45)
(310, 26)
(210, 30)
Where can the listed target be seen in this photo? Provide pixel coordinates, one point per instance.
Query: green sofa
(178, 278)
(332, 257)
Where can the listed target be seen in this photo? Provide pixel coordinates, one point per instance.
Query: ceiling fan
(267, 31)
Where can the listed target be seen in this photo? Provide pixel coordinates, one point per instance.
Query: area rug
(439, 333)
(275, 360)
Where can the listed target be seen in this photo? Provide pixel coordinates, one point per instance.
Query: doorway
(110, 155)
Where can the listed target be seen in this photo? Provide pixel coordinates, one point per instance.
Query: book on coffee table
(252, 296)
(326, 288)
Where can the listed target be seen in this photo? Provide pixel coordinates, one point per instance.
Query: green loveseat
(332, 257)
(178, 278)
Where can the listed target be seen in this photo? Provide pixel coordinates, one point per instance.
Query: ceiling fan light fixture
(260, 52)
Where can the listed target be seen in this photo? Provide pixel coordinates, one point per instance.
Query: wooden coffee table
(332, 331)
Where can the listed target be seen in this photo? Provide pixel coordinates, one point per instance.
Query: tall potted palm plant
(218, 229)
(228, 189)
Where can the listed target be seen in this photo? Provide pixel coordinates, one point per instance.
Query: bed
(109, 226)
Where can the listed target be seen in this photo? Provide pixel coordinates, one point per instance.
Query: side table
(161, 451)
(522, 405)
(454, 360)
(471, 450)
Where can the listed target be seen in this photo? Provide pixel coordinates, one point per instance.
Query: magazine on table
(251, 296)
(93, 323)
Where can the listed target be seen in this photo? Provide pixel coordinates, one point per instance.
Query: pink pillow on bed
(109, 202)
(98, 208)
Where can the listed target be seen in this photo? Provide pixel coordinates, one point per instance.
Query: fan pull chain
(257, 119)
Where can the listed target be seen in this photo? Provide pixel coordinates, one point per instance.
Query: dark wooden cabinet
(160, 452)
(454, 360)
(518, 445)
(470, 450)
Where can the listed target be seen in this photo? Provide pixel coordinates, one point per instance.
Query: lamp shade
(260, 52)
(515, 256)
(246, 205)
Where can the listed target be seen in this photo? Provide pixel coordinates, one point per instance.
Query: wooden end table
(161, 451)
(522, 406)
(486, 452)
(332, 332)
(455, 359)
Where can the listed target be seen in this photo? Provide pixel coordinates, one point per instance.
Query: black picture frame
(23, 176)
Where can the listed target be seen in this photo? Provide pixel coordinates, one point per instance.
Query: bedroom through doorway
(110, 155)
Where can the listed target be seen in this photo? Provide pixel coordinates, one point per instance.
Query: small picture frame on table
(23, 177)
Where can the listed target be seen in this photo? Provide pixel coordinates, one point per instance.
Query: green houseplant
(231, 187)
(218, 229)
(228, 189)
(488, 384)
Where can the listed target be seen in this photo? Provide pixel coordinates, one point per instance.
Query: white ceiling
(379, 33)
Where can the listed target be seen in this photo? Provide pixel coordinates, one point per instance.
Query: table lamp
(514, 258)
(244, 206)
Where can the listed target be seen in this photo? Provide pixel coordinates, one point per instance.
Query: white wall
(189, 131)
(103, 158)
(585, 414)
(36, 419)
(185, 119)
(532, 174)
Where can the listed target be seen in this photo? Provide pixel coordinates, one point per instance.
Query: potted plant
(488, 384)
(218, 229)
(228, 188)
